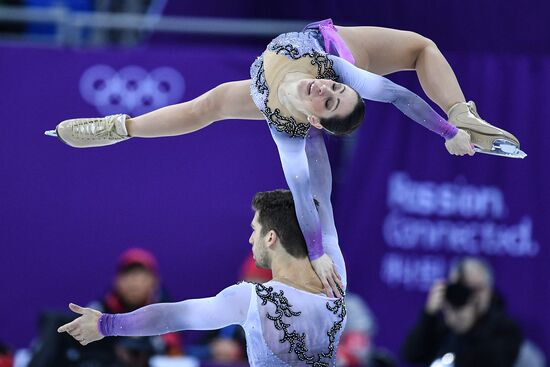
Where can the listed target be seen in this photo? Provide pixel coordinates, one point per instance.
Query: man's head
(468, 294)
(334, 106)
(137, 277)
(275, 228)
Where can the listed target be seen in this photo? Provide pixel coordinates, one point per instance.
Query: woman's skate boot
(486, 138)
(92, 132)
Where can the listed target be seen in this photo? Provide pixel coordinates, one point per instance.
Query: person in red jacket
(136, 283)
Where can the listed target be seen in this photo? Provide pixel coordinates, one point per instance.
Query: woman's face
(325, 98)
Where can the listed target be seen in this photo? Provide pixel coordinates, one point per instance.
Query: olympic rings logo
(130, 90)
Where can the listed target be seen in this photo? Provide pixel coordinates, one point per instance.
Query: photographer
(463, 316)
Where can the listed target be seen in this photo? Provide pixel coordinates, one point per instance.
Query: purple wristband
(315, 246)
(450, 132)
(104, 324)
(315, 255)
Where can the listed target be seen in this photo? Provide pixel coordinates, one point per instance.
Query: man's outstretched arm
(228, 307)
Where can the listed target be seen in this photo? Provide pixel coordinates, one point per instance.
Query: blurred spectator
(356, 344)
(530, 355)
(119, 36)
(6, 356)
(251, 273)
(39, 28)
(136, 284)
(9, 27)
(465, 317)
(229, 344)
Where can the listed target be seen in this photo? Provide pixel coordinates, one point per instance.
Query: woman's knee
(419, 41)
(421, 44)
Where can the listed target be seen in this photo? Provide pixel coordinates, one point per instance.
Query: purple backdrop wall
(404, 207)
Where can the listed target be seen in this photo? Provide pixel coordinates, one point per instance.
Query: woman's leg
(227, 101)
(385, 51)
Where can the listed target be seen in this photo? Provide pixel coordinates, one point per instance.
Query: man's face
(259, 249)
(136, 286)
(460, 320)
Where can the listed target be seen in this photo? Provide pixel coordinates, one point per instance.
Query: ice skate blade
(51, 133)
(503, 148)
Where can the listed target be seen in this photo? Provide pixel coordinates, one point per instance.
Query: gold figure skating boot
(92, 132)
(485, 137)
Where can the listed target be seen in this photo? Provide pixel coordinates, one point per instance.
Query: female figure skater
(317, 78)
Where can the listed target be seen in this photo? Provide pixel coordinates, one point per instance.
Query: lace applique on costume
(321, 61)
(294, 45)
(287, 124)
(261, 85)
(297, 340)
(260, 94)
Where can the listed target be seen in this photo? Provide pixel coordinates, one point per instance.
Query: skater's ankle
(130, 127)
(450, 106)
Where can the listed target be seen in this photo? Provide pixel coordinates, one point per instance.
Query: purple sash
(334, 44)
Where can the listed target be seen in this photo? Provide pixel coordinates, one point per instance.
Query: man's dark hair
(276, 212)
(347, 124)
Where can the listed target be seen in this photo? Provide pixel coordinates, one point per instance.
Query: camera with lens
(458, 294)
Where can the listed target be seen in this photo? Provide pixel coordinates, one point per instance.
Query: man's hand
(84, 329)
(460, 144)
(326, 271)
(436, 297)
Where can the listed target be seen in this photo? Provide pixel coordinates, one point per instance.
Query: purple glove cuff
(450, 132)
(105, 324)
(315, 247)
(316, 255)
